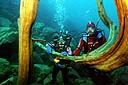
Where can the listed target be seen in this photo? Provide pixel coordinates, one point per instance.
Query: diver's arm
(79, 47)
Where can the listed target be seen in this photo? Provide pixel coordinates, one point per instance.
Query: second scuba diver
(91, 41)
(60, 44)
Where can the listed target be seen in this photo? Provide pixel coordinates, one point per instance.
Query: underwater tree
(28, 10)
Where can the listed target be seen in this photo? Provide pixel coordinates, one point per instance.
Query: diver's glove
(56, 60)
(64, 53)
(48, 48)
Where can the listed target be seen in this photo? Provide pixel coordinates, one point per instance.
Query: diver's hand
(48, 48)
(64, 53)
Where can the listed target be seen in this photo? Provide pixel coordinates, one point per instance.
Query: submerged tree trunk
(28, 10)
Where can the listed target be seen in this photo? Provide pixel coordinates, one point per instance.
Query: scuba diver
(91, 40)
(60, 44)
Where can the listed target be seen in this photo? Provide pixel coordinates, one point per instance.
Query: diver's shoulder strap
(84, 37)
